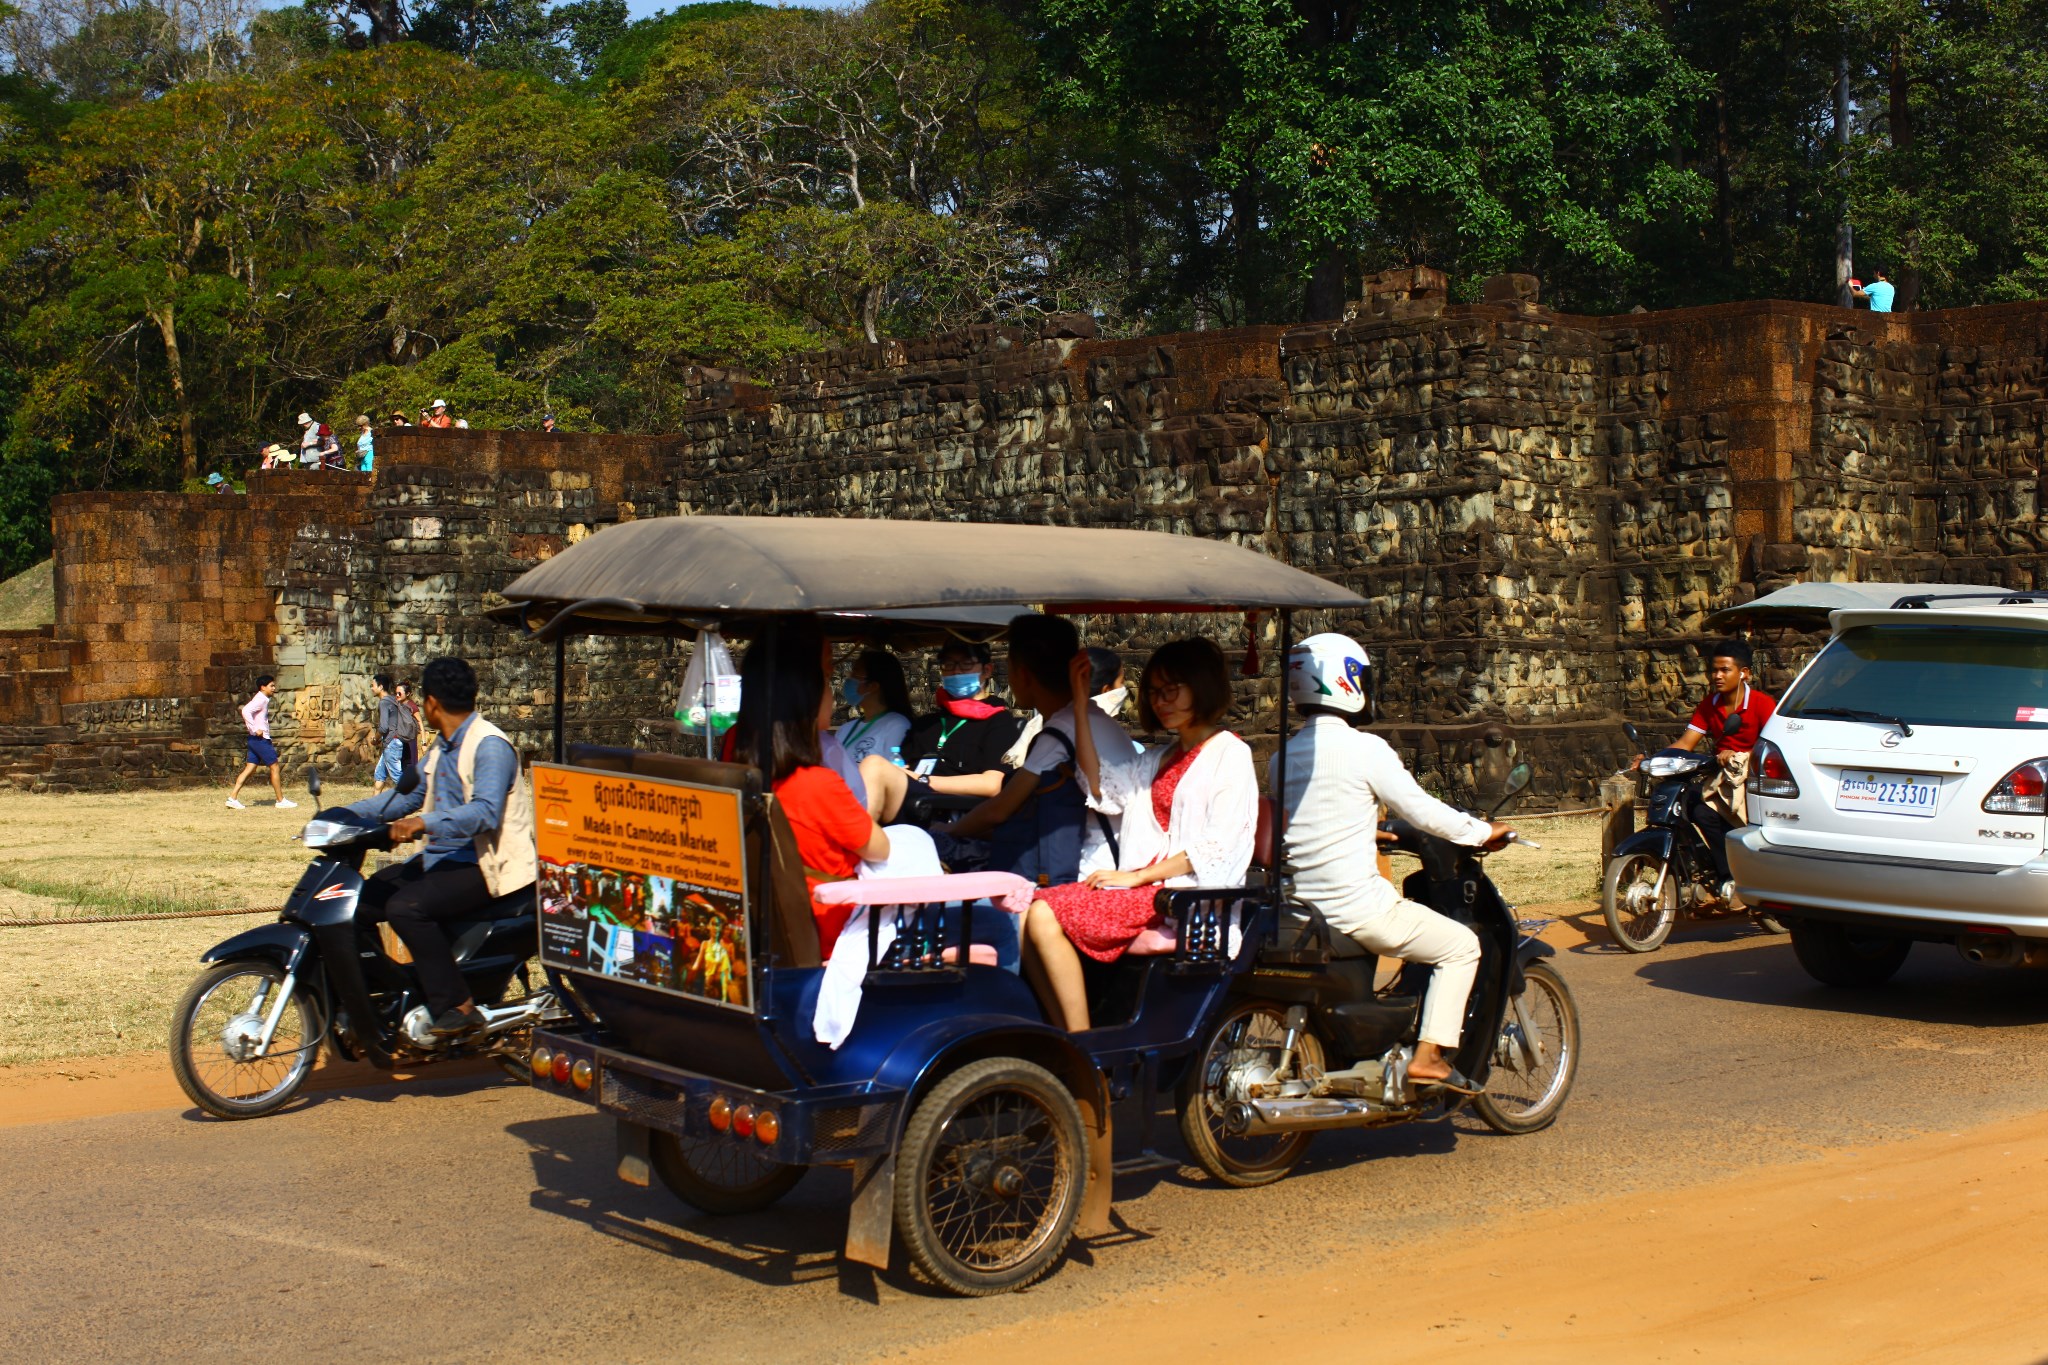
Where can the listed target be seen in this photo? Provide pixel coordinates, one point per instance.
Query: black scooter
(1667, 868)
(246, 1033)
(1308, 1044)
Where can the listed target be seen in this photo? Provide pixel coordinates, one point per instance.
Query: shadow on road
(1927, 990)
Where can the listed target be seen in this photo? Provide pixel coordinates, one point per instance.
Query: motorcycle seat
(467, 935)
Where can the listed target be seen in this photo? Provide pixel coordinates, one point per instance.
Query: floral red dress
(1103, 923)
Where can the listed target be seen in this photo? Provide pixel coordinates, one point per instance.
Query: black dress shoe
(456, 1023)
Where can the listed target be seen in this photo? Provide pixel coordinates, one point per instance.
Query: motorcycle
(1667, 868)
(1308, 1044)
(246, 1033)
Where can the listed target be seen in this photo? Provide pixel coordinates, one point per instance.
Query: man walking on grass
(262, 753)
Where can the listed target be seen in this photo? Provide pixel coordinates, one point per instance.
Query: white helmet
(1329, 670)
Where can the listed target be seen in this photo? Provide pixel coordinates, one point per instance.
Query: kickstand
(1147, 1159)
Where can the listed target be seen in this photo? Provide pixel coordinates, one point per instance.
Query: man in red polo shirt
(1729, 718)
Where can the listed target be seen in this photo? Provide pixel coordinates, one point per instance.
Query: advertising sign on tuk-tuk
(643, 880)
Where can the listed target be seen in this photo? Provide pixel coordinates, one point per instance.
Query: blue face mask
(849, 691)
(961, 686)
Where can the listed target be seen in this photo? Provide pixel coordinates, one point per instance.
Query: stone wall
(1540, 510)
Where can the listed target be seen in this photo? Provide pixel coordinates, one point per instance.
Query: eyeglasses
(1164, 691)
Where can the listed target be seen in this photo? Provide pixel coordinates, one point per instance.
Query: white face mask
(1112, 701)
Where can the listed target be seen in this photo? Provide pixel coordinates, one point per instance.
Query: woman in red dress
(1190, 818)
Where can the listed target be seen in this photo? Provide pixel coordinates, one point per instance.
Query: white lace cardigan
(1215, 811)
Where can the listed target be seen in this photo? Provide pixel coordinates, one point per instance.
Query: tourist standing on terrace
(261, 752)
(437, 415)
(366, 444)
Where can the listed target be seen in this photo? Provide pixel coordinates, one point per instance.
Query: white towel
(911, 854)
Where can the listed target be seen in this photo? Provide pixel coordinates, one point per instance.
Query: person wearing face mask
(956, 752)
(875, 689)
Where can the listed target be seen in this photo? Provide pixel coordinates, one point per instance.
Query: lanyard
(947, 733)
(860, 730)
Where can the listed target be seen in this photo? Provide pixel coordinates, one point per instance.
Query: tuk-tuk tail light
(743, 1121)
(767, 1127)
(543, 1062)
(560, 1069)
(720, 1114)
(582, 1073)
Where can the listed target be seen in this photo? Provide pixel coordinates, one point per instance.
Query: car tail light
(1770, 774)
(2023, 791)
(721, 1114)
(743, 1120)
(542, 1061)
(767, 1127)
(581, 1074)
(560, 1070)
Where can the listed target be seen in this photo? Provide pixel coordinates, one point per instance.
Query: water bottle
(896, 754)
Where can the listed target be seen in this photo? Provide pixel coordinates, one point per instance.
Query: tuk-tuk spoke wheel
(1524, 1096)
(720, 1175)
(1245, 1051)
(988, 1182)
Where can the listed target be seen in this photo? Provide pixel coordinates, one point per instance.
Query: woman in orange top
(783, 702)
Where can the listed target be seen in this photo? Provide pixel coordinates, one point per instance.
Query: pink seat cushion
(1155, 940)
(980, 954)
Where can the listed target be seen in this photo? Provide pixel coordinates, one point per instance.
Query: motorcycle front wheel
(1245, 1050)
(1532, 1075)
(215, 1033)
(1639, 913)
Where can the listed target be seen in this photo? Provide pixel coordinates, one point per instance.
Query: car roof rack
(1921, 601)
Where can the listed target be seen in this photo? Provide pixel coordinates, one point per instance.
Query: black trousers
(1714, 827)
(417, 902)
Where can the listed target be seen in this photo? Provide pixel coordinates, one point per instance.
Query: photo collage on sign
(639, 927)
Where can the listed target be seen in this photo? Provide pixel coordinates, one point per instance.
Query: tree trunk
(1905, 272)
(165, 319)
(1845, 234)
(1724, 209)
(871, 313)
(1324, 301)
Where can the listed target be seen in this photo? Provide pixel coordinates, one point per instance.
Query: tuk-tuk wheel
(720, 1175)
(990, 1175)
(1247, 1046)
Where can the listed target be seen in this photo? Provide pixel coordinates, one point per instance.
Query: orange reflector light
(582, 1073)
(560, 1070)
(743, 1120)
(721, 1114)
(767, 1127)
(542, 1060)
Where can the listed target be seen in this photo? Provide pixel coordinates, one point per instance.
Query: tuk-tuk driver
(1338, 778)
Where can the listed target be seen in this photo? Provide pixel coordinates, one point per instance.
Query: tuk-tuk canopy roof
(670, 571)
(1805, 606)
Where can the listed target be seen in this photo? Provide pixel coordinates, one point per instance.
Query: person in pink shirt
(262, 753)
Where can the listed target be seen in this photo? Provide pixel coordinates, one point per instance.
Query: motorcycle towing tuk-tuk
(677, 931)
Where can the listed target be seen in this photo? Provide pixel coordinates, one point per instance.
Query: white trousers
(1416, 933)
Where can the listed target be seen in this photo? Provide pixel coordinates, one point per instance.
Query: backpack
(1041, 842)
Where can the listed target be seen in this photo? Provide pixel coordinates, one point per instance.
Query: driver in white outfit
(1338, 778)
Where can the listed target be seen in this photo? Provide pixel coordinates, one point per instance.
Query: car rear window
(1977, 676)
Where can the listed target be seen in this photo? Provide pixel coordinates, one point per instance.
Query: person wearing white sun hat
(1338, 778)
(437, 416)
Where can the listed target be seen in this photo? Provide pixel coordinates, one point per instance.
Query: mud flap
(1093, 1220)
(871, 1220)
(635, 1165)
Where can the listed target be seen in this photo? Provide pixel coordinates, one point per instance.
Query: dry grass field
(95, 989)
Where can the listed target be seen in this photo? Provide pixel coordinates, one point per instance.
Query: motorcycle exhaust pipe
(1256, 1118)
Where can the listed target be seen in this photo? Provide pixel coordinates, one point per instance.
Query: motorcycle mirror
(408, 780)
(1628, 728)
(313, 779)
(1519, 778)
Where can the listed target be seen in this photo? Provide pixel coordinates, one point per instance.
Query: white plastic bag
(711, 687)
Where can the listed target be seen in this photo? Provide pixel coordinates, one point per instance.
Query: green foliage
(625, 59)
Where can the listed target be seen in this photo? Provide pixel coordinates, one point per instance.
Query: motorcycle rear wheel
(1639, 916)
(720, 1175)
(215, 1018)
(1247, 1039)
(1524, 1099)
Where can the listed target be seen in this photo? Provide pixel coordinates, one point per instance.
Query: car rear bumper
(1924, 898)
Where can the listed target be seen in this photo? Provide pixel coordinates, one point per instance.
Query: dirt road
(1737, 1132)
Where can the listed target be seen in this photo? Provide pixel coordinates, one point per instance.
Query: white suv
(1900, 793)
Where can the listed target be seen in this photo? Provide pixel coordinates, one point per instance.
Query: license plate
(1888, 793)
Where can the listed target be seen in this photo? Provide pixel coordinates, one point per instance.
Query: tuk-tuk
(974, 1130)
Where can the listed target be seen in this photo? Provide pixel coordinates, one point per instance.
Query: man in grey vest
(477, 817)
